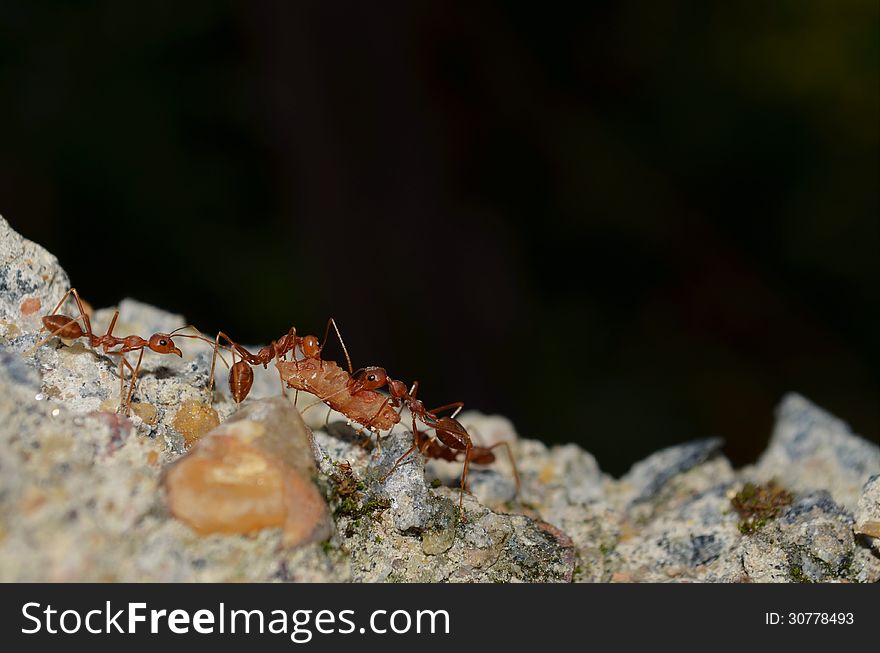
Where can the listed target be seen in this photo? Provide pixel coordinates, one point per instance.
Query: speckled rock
(868, 512)
(31, 282)
(811, 542)
(811, 449)
(82, 498)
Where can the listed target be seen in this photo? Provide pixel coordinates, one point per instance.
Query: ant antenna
(341, 342)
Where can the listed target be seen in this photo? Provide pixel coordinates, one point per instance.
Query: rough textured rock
(809, 445)
(82, 497)
(868, 512)
(31, 281)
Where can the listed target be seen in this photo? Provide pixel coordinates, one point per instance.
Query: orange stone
(193, 420)
(251, 473)
(147, 412)
(30, 306)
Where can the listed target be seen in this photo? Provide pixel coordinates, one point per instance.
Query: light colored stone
(811, 449)
(82, 498)
(868, 512)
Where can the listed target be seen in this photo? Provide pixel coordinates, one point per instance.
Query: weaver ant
(312, 374)
(241, 376)
(338, 389)
(68, 328)
(451, 437)
(450, 432)
(354, 394)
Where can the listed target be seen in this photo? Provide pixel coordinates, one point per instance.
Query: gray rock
(412, 507)
(811, 449)
(647, 477)
(811, 542)
(688, 532)
(868, 512)
(81, 498)
(31, 282)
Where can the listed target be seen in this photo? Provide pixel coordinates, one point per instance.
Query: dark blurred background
(627, 225)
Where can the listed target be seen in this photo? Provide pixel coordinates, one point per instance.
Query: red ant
(452, 435)
(311, 374)
(68, 328)
(241, 376)
(339, 389)
(354, 395)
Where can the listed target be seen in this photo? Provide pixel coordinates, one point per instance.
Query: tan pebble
(30, 306)
(108, 406)
(12, 331)
(869, 528)
(147, 412)
(152, 457)
(480, 558)
(52, 391)
(546, 474)
(627, 531)
(31, 501)
(249, 474)
(223, 486)
(194, 419)
(435, 542)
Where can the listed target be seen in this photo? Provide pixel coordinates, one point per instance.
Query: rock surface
(82, 494)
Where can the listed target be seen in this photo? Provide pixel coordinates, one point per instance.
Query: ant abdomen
(241, 378)
(63, 326)
(451, 433)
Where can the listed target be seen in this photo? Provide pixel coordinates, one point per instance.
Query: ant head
(161, 343)
(371, 377)
(310, 347)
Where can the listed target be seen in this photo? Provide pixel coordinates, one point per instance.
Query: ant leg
(457, 405)
(213, 366)
(134, 376)
(415, 445)
(278, 358)
(79, 306)
(82, 315)
(64, 298)
(123, 363)
(283, 388)
(313, 404)
(82, 311)
(397, 464)
(112, 323)
(217, 347)
(464, 473)
(506, 446)
(370, 422)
